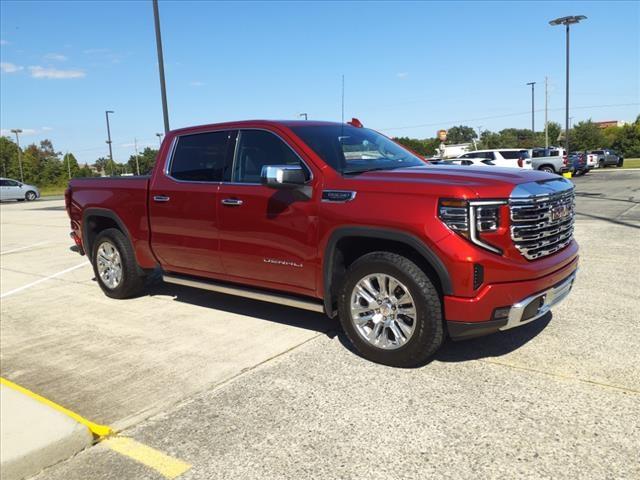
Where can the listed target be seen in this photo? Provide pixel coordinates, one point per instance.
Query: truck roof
(254, 123)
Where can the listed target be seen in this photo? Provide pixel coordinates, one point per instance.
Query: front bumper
(548, 291)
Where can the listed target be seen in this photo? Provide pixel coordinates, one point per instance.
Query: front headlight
(471, 218)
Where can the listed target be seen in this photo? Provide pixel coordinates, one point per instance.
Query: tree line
(583, 136)
(43, 166)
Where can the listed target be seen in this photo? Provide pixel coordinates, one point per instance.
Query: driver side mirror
(282, 176)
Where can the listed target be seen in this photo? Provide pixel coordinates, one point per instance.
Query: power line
(505, 116)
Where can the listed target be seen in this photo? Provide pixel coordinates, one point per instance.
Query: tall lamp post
(306, 117)
(533, 115)
(159, 135)
(18, 131)
(106, 114)
(567, 22)
(163, 88)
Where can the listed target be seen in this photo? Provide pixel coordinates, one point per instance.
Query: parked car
(340, 219)
(550, 160)
(505, 157)
(14, 190)
(592, 160)
(607, 158)
(578, 163)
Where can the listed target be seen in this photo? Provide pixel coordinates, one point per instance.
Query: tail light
(520, 162)
(470, 219)
(565, 160)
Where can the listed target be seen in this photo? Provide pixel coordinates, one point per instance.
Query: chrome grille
(542, 224)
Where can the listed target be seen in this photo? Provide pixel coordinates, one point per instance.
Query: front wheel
(115, 266)
(30, 196)
(390, 310)
(620, 163)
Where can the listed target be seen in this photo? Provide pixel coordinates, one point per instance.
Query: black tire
(133, 278)
(601, 164)
(620, 163)
(30, 196)
(547, 168)
(429, 332)
(577, 173)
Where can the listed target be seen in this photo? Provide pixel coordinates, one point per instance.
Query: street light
(159, 135)
(17, 131)
(106, 114)
(163, 88)
(533, 118)
(306, 117)
(567, 21)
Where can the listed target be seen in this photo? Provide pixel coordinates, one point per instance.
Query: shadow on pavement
(243, 306)
(495, 345)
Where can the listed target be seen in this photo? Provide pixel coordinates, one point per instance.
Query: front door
(10, 190)
(183, 203)
(267, 236)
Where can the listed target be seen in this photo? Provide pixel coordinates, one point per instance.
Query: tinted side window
(201, 157)
(509, 155)
(257, 148)
(9, 183)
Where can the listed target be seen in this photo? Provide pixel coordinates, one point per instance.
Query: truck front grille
(542, 224)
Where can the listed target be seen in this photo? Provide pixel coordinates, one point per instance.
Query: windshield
(350, 149)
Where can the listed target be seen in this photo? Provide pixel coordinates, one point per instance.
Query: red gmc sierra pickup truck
(336, 218)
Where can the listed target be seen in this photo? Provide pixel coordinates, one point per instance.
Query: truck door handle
(161, 198)
(232, 202)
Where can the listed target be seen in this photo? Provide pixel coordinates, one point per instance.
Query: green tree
(461, 134)
(9, 158)
(425, 147)
(586, 136)
(627, 140)
(146, 161)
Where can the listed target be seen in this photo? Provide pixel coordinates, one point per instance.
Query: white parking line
(22, 248)
(29, 285)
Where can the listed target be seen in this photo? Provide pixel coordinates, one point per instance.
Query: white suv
(504, 157)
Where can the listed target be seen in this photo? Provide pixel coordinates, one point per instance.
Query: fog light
(501, 313)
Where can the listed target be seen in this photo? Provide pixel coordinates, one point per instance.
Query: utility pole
(342, 98)
(135, 146)
(106, 114)
(18, 131)
(159, 135)
(533, 115)
(567, 21)
(163, 88)
(546, 106)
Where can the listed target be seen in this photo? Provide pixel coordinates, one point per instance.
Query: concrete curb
(602, 170)
(36, 433)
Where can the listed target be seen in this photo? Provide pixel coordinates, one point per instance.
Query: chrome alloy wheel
(383, 311)
(109, 265)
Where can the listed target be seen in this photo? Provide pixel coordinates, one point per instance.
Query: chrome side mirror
(282, 176)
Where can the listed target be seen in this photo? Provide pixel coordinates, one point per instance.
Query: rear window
(201, 157)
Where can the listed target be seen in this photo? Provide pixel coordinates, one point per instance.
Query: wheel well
(349, 249)
(95, 224)
(547, 165)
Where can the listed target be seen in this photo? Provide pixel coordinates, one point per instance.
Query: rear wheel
(547, 168)
(390, 310)
(30, 196)
(115, 266)
(601, 164)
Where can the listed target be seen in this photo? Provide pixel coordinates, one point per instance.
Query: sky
(410, 68)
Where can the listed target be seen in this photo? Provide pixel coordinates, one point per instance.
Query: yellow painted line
(167, 466)
(96, 429)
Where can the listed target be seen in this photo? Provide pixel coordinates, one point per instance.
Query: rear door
(183, 203)
(10, 190)
(267, 236)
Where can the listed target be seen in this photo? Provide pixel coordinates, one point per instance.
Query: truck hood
(454, 180)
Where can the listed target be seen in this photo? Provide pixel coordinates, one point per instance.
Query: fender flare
(100, 212)
(383, 234)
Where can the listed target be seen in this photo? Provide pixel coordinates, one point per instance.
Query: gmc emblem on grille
(559, 212)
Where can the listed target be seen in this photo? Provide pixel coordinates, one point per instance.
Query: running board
(255, 294)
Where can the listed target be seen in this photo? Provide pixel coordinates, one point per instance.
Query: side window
(509, 154)
(10, 183)
(201, 157)
(490, 156)
(4, 183)
(257, 148)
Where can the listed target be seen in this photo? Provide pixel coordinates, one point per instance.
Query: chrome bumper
(546, 300)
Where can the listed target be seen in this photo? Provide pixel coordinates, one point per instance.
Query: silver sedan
(15, 190)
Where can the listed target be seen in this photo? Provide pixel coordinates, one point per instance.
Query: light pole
(306, 117)
(567, 21)
(106, 114)
(18, 131)
(533, 115)
(159, 135)
(163, 88)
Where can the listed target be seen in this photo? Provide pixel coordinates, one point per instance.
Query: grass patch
(51, 191)
(631, 163)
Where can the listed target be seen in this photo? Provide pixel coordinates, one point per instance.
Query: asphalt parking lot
(241, 389)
